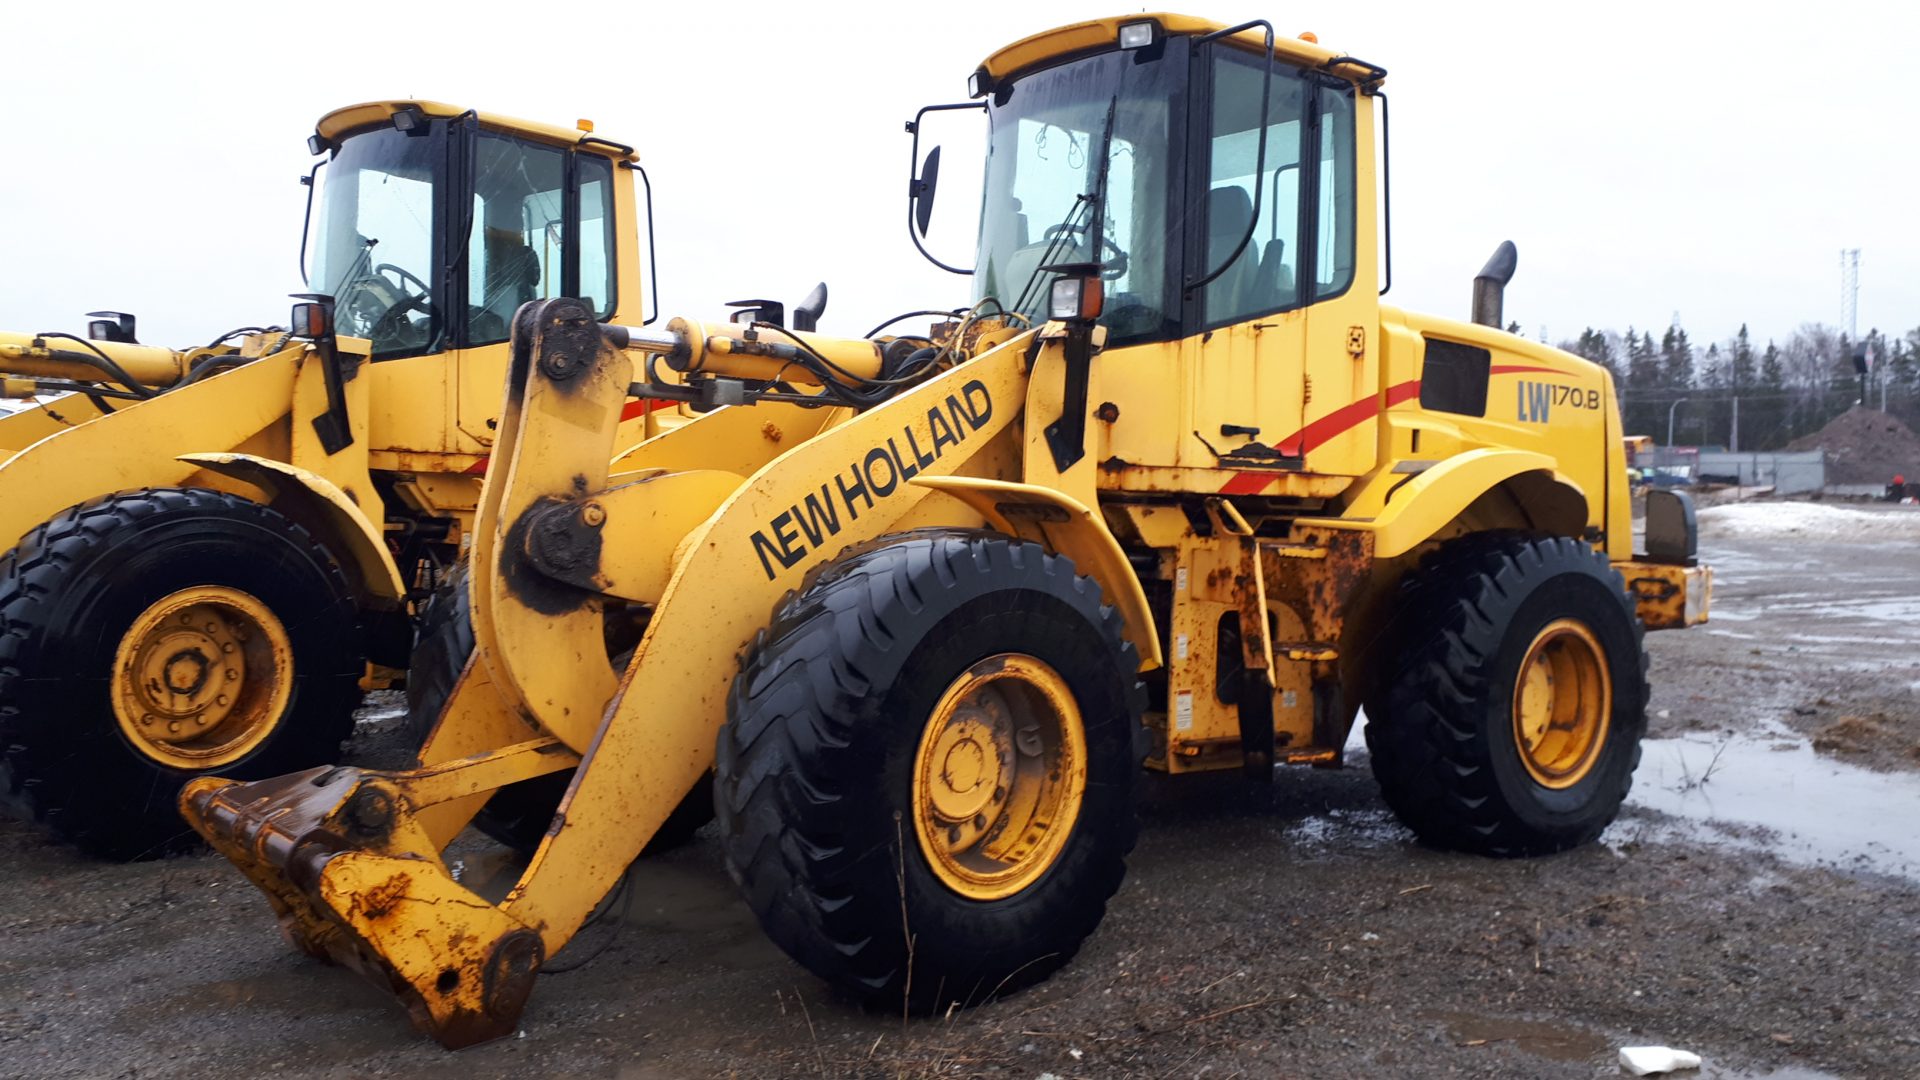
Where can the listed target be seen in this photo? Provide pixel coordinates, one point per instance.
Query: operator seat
(1231, 295)
(513, 276)
(1276, 277)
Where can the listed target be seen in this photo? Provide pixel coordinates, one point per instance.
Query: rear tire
(850, 851)
(115, 617)
(519, 815)
(1513, 723)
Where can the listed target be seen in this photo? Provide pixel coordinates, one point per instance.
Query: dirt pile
(1876, 735)
(1865, 446)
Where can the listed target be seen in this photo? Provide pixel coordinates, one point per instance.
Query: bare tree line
(1785, 389)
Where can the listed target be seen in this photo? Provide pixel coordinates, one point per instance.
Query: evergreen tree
(1769, 424)
(1713, 371)
(1676, 359)
(1643, 372)
(1593, 346)
(1740, 374)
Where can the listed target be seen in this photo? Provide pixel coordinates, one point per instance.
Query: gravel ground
(1744, 907)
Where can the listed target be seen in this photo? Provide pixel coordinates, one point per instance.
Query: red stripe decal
(632, 410)
(1321, 431)
(639, 407)
(1344, 419)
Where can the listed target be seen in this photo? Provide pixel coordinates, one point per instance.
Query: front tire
(150, 637)
(926, 781)
(1512, 724)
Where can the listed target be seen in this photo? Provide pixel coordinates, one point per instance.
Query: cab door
(1245, 395)
(532, 205)
(1340, 433)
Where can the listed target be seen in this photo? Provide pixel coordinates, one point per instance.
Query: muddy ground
(1758, 902)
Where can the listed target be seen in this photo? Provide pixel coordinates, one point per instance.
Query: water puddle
(1555, 1042)
(1769, 791)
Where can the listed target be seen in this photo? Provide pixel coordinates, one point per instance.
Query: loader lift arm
(350, 858)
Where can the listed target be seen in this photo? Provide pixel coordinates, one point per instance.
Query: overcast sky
(1647, 158)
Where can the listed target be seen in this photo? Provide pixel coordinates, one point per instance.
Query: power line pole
(1850, 292)
(1850, 318)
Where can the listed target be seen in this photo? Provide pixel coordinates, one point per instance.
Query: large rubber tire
(69, 593)
(1441, 727)
(815, 766)
(517, 816)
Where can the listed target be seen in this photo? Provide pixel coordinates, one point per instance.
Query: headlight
(1076, 299)
(1136, 35)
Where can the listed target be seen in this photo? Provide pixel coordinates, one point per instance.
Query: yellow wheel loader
(1178, 493)
(204, 548)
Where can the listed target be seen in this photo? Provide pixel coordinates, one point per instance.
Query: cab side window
(594, 174)
(515, 251)
(1333, 262)
(1264, 277)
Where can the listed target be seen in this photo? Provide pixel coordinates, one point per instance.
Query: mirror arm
(913, 180)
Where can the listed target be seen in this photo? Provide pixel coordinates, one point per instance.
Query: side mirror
(923, 189)
(806, 314)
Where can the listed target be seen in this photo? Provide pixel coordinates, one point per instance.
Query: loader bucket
(323, 845)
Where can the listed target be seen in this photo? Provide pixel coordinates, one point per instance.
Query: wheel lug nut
(212, 628)
(232, 674)
(147, 719)
(979, 821)
(999, 793)
(173, 727)
(227, 648)
(222, 699)
(953, 835)
(202, 720)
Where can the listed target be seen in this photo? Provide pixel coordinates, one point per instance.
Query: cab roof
(1051, 45)
(338, 123)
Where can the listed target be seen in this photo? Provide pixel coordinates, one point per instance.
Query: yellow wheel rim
(999, 776)
(202, 677)
(1562, 704)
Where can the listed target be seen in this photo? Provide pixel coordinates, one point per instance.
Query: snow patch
(1805, 520)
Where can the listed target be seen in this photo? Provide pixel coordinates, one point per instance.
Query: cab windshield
(375, 251)
(1046, 197)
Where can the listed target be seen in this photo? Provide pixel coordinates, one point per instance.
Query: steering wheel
(1113, 261)
(375, 308)
(406, 277)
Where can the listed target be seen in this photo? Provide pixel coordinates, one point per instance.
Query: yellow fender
(358, 540)
(130, 448)
(1419, 508)
(1063, 525)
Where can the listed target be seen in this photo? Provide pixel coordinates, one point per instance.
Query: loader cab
(1235, 241)
(432, 225)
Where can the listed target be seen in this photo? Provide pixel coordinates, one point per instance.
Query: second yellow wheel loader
(205, 548)
(1179, 493)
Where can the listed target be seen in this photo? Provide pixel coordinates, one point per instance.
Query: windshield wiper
(1093, 201)
(1060, 233)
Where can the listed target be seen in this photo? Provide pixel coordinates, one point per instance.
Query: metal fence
(1789, 473)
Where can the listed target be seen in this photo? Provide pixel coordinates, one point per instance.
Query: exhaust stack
(1490, 287)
